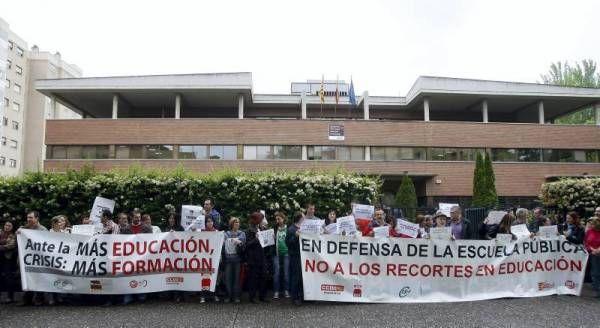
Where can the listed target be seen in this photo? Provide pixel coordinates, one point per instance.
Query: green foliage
(581, 75)
(572, 194)
(157, 191)
(406, 197)
(484, 182)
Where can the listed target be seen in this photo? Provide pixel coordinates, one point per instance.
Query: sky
(383, 45)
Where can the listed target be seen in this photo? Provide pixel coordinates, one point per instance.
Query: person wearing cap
(440, 219)
(461, 227)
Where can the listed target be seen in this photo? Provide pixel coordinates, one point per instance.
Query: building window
(8, 64)
(2, 160)
(226, 152)
(193, 152)
(11, 45)
(57, 152)
(12, 163)
(158, 151)
(15, 125)
(453, 154)
(271, 152)
(19, 69)
(398, 153)
(20, 51)
(13, 143)
(5, 121)
(3, 141)
(340, 153)
(16, 106)
(17, 88)
(6, 102)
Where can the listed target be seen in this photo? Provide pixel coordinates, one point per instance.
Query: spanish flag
(322, 90)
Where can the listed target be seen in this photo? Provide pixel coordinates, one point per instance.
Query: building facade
(24, 110)
(210, 121)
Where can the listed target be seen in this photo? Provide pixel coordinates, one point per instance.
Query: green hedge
(156, 192)
(572, 194)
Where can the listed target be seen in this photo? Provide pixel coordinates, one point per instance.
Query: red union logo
(570, 284)
(133, 284)
(332, 288)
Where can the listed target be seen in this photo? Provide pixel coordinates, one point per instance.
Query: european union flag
(351, 94)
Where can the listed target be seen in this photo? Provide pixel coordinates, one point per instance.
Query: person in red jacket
(592, 244)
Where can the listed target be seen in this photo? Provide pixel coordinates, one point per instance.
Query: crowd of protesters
(248, 264)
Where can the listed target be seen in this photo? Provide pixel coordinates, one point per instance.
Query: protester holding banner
(538, 220)
(108, 225)
(209, 208)
(378, 221)
(233, 245)
(440, 219)
(123, 221)
(210, 227)
(136, 221)
(574, 232)
(147, 220)
(255, 257)
(461, 227)
(592, 244)
(310, 212)
(33, 223)
(293, 243)
(504, 226)
(522, 215)
(8, 259)
(172, 223)
(281, 259)
(331, 217)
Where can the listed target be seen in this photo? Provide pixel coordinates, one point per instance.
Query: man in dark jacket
(461, 227)
(257, 262)
(293, 243)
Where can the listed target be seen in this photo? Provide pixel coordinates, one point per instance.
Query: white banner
(119, 264)
(403, 270)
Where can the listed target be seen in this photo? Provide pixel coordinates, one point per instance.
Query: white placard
(443, 233)
(548, 232)
(332, 229)
(407, 228)
(198, 224)
(346, 224)
(361, 211)
(445, 208)
(504, 238)
(494, 217)
(100, 204)
(520, 230)
(84, 229)
(311, 226)
(381, 232)
(231, 246)
(266, 237)
(189, 214)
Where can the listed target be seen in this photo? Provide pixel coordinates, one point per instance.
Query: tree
(580, 75)
(406, 197)
(491, 198)
(479, 182)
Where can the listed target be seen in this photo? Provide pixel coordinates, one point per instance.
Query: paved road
(551, 311)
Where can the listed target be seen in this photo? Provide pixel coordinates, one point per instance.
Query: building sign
(336, 132)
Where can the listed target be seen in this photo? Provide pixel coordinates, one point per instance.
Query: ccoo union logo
(405, 291)
(570, 284)
(138, 284)
(332, 289)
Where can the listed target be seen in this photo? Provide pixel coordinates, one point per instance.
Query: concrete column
(175, 150)
(597, 113)
(177, 106)
(366, 105)
(241, 107)
(304, 153)
(115, 107)
(53, 107)
(484, 108)
(426, 109)
(367, 153)
(303, 106)
(541, 112)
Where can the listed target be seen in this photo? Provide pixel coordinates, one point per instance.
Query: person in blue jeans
(233, 247)
(281, 258)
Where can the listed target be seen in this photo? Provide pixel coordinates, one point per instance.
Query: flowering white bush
(157, 192)
(572, 194)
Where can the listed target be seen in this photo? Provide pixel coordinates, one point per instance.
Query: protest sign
(445, 208)
(85, 229)
(520, 230)
(100, 204)
(311, 226)
(231, 246)
(332, 229)
(403, 270)
(504, 238)
(360, 211)
(381, 232)
(266, 237)
(190, 214)
(407, 228)
(118, 264)
(346, 224)
(443, 233)
(494, 217)
(548, 232)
